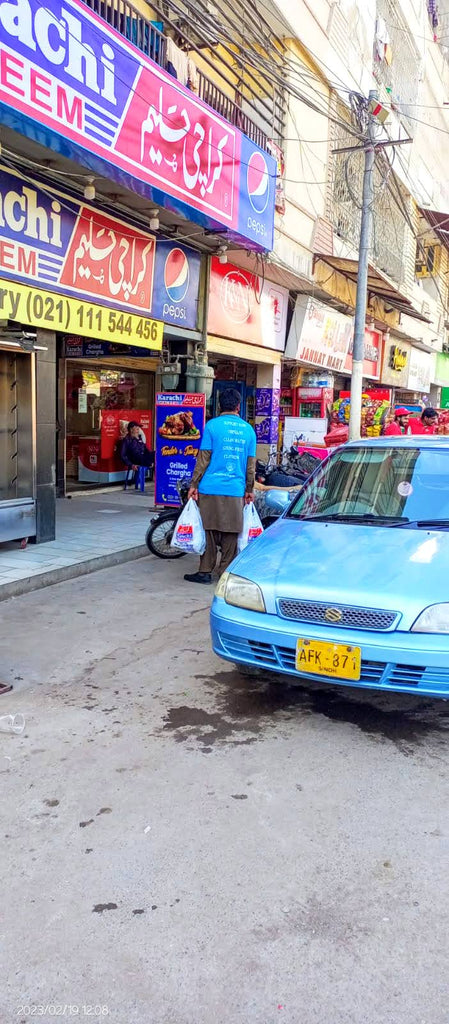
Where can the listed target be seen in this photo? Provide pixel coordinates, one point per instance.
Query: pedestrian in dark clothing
(223, 480)
(133, 450)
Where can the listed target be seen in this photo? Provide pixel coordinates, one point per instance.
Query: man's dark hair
(431, 413)
(230, 400)
(133, 423)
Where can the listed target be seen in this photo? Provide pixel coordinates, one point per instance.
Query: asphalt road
(180, 846)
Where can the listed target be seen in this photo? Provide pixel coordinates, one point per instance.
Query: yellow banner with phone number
(56, 312)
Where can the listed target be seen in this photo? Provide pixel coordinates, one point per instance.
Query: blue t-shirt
(232, 442)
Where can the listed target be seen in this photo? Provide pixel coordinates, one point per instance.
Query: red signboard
(244, 306)
(170, 144)
(114, 425)
(110, 260)
(373, 353)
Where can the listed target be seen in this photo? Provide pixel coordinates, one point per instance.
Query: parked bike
(161, 529)
(293, 469)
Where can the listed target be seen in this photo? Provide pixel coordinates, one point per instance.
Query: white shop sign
(421, 370)
(319, 335)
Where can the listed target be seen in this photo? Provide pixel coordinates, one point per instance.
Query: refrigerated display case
(247, 398)
(312, 402)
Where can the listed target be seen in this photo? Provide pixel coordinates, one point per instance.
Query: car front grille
(340, 615)
(373, 673)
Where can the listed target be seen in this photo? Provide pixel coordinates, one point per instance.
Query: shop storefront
(103, 392)
(17, 442)
(67, 270)
(100, 381)
(319, 348)
(409, 371)
(246, 329)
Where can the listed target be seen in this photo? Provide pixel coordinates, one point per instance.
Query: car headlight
(434, 619)
(240, 592)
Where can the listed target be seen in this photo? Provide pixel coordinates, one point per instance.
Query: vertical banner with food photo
(179, 429)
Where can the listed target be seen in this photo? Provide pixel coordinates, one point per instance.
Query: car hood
(404, 570)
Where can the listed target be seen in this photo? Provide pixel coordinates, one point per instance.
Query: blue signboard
(176, 285)
(179, 429)
(73, 84)
(62, 244)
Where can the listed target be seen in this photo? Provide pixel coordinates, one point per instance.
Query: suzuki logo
(333, 615)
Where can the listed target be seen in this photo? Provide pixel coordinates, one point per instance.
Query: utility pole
(366, 230)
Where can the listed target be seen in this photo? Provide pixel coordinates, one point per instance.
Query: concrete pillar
(46, 437)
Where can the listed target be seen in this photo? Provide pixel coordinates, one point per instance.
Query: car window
(402, 483)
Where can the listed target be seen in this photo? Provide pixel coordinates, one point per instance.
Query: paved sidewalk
(93, 531)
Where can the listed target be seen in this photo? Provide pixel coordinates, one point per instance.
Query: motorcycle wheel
(159, 535)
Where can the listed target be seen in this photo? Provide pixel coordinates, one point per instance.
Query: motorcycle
(160, 532)
(293, 470)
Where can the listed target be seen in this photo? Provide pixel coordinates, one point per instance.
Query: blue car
(351, 585)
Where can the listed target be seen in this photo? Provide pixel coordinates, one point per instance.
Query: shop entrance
(17, 498)
(91, 390)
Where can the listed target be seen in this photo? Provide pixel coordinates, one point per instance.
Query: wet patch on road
(250, 707)
(204, 726)
(100, 907)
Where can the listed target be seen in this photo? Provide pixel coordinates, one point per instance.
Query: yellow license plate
(322, 659)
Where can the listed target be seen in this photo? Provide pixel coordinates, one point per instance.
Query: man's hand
(134, 469)
(193, 493)
(249, 497)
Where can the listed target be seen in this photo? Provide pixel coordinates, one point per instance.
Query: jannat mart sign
(321, 336)
(96, 98)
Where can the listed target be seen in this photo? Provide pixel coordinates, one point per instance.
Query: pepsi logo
(176, 275)
(258, 182)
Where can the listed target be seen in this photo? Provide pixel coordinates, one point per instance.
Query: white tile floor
(87, 526)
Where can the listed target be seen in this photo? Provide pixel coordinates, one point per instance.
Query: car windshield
(393, 486)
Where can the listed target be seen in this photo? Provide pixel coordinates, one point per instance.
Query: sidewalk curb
(70, 572)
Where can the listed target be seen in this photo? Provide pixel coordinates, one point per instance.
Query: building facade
(180, 202)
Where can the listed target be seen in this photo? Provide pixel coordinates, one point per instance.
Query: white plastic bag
(189, 533)
(252, 526)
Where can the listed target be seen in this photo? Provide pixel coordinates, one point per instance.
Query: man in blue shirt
(222, 482)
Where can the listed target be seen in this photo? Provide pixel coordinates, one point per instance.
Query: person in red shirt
(399, 424)
(427, 424)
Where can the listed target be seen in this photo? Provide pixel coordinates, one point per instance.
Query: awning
(241, 350)
(439, 222)
(378, 284)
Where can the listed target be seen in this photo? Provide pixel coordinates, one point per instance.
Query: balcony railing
(148, 38)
